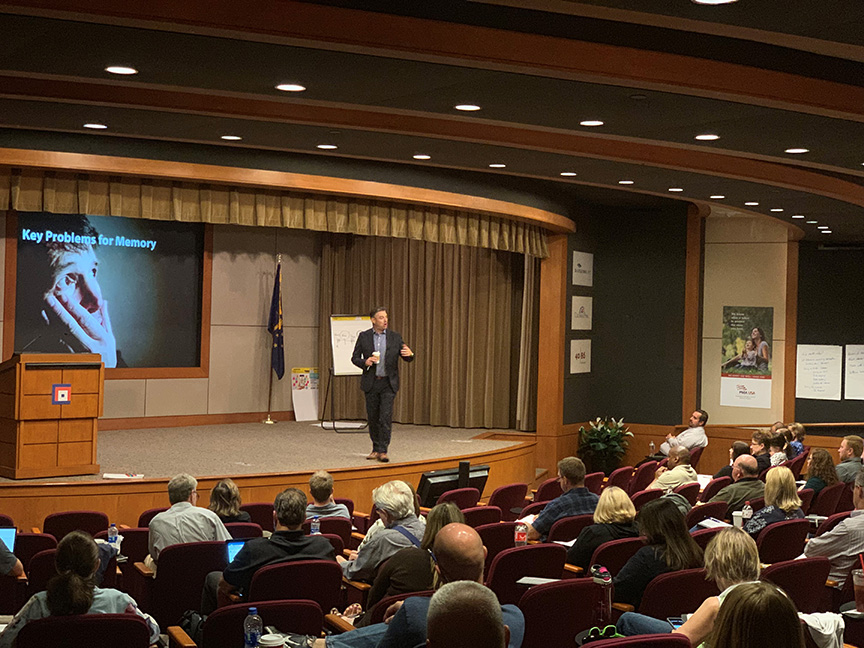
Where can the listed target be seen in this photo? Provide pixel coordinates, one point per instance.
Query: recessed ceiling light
(628, 182)
(777, 210)
(232, 138)
(717, 197)
(825, 232)
(751, 203)
(467, 107)
(707, 137)
(290, 87)
(713, 2)
(422, 156)
(121, 69)
(95, 126)
(797, 150)
(327, 147)
(568, 173)
(591, 122)
(811, 222)
(798, 216)
(675, 189)
(497, 165)
(823, 227)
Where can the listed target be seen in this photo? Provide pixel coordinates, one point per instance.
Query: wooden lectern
(49, 406)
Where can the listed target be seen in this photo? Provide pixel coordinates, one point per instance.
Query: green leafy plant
(604, 443)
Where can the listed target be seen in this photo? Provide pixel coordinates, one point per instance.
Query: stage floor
(255, 448)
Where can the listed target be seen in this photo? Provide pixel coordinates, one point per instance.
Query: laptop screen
(7, 535)
(234, 547)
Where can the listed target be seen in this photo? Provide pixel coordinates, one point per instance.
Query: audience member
(459, 554)
(377, 525)
(849, 453)
(781, 502)
(668, 547)
(693, 437)
(411, 569)
(776, 425)
(676, 472)
(738, 448)
(401, 528)
(184, 521)
(321, 489)
(796, 445)
(747, 485)
(731, 559)
(575, 500)
(465, 614)
(613, 520)
(842, 544)
(9, 564)
(72, 591)
(757, 614)
(759, 449)
(777, 448)
(820, 470)
(287, 543)
(225, 502)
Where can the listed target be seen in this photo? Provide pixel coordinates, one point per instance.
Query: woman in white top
(763, 351)
(731, 559)
(73, 591)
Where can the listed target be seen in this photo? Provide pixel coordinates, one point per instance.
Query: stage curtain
(457, 307)
(81, 193)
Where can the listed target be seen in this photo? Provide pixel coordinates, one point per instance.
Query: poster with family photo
(745, 365)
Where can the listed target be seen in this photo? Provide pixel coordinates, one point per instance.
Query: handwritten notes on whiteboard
(819, 371)
(854, 372)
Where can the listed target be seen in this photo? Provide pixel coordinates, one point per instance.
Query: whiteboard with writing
(854, 383)
(344, 330)
(819, 371)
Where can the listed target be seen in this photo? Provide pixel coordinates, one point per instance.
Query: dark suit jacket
(365, 347)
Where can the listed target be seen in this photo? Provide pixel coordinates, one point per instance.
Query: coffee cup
(737, 519)
(271, 641)
(858, 582)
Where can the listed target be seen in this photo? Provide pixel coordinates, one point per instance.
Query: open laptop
(7, 535)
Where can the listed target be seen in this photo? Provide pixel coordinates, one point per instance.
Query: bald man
(676, 472)
(746, 487)
(459, 555)
(465, 615)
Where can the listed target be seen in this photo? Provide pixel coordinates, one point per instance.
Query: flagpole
(269, 420)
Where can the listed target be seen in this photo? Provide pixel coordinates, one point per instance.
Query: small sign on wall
(580, 316)
(580, 356)
(583, 269)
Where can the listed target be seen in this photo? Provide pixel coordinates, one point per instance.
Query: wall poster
(745, 369)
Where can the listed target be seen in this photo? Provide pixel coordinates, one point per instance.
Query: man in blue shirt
(576, 499)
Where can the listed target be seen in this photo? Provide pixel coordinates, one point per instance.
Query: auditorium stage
(262, 459)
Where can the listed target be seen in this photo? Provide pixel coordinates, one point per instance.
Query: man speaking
(377, 353)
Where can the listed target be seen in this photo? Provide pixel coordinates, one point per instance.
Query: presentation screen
(125, 288)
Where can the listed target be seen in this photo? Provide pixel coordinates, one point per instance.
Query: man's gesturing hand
(92, 330)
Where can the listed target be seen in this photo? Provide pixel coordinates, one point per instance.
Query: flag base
(268, 420)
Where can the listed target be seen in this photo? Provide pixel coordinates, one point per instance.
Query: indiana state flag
(274, 326)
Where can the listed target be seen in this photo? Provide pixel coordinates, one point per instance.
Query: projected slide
(125, 288)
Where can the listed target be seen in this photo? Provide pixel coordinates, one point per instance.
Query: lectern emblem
(61, 394)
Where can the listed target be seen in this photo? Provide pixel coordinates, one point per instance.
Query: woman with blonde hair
(613, 520)
(820, 470)
(225, 502)
(781, 501)
(796, 443)
(731, 559)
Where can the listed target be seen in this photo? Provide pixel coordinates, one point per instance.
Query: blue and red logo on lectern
(61, 394)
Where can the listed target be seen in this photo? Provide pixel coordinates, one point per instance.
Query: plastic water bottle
(603, 608)
(315, 527)
(746, 513)
(520, 534)
(253, 626)
(651, 448)
(112, 534)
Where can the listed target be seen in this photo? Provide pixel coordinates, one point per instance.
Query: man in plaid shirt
(576, 499)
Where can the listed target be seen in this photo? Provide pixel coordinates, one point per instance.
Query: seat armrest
(831, 583)
(360, 586)
(358, 536)
(144, 570)
(36, 530)
(623, 607)
(573, 569)
(424, 510)
(177, 638)
(336, 623)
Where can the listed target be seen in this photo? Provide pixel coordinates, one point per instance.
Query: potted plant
(603, 444)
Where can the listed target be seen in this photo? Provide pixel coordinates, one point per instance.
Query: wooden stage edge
(28, 503)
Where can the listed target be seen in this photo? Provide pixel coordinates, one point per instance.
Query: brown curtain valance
(134, 197)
